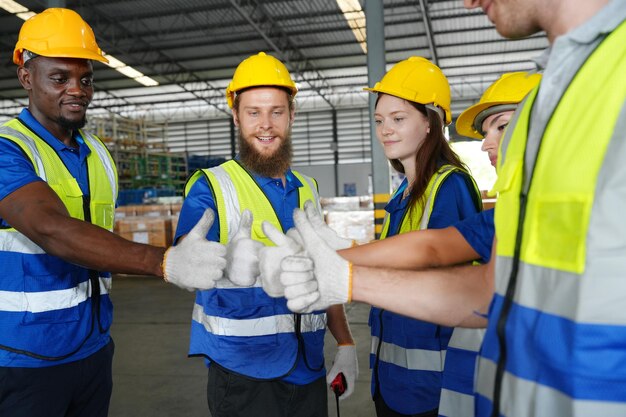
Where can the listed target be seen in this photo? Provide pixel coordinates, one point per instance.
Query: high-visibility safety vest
(53, 311)
(243, 329)
(407, 356)
(457, 388)
(560, 275)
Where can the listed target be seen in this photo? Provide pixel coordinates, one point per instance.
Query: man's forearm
(338, 325)
(446, 296)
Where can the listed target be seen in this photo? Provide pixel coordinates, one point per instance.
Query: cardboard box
(153, 210)
(175, 208)
(357, 225)
(155, 231)
(174, 220)
(125, 211)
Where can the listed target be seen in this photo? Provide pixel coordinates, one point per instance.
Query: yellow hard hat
(419, 80)
(503, 95)
(57, 33)
(256, 71)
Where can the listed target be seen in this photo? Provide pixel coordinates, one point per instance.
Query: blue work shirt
(479, 232)
(284, 199)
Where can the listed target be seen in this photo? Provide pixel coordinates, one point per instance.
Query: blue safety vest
(243, 329)
(52, 311)
(407, 356)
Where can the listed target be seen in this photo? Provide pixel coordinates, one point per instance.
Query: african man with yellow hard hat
(58, 187)
(466, 241)
(243, 327)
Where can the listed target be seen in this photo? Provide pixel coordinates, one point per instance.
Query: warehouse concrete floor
(152, 375)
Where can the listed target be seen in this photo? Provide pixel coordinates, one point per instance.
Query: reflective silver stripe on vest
(413, 359)
(313, 189)
(533, 399)
(261, 326)
(561, 293)
(231, 200)
(30, 144)
(13, 241)
(467, 339)
(38, 302)
(103, 155)
(456, 404)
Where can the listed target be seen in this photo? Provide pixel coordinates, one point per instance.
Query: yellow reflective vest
(45, 307)
(560, 274)
(243, 329)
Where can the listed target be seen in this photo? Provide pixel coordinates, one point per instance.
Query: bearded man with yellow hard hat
(58, 186)
(249, 339)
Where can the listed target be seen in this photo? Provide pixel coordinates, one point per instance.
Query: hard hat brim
(465, 122)
(403, 96)
(65, 53)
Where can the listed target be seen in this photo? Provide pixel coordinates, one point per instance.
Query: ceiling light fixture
(355, 17)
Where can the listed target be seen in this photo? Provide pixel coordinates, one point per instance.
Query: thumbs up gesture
(271, 257)
(195, 263)
(242, 254)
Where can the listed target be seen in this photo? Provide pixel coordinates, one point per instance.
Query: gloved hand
(242, 254)
(195, 263)
(323, 230)
(271, 257)
(345, 362)
(318, 280)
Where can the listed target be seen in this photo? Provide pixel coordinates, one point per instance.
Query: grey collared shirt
(560, 63)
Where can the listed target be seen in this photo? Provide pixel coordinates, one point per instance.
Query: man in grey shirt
(556, 287)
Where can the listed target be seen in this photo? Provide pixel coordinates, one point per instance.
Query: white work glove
(195, 263)
(242, 254)
(346, 363)
(272, 256)
(323, 230)
(318, 280)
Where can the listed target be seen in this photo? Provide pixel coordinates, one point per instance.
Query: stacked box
(155, 231)
(153, 210)
(174, 221)
(357, 225)
(175, 208)
(125, 211)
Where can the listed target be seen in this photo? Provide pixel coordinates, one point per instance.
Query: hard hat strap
(439, 111)
(28, 55)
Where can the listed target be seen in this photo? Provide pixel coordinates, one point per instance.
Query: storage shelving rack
(139, 148)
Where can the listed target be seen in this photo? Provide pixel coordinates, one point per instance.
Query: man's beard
(72, 124)
(274, 165)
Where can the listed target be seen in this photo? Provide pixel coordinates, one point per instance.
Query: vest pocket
(257, 232)
(103, 214)
(558, 225)
(70, 193)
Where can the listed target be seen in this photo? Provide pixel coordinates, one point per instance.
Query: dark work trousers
(382, 410)
(233, 395)
(76, 389)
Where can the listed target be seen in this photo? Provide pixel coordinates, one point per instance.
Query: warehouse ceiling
(191, 48)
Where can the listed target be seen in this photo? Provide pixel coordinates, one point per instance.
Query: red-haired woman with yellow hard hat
(412, 108)
(465, 241)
